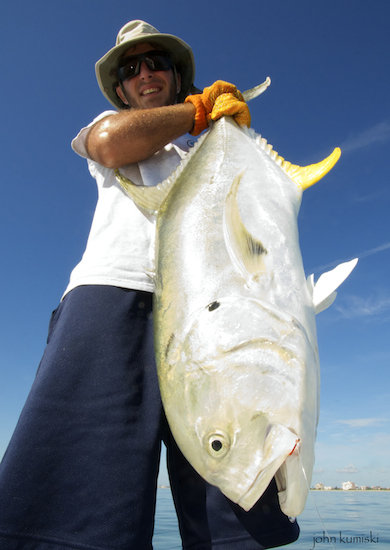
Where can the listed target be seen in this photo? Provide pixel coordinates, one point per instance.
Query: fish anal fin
(246, 252)
(149, 198)
(151, 273)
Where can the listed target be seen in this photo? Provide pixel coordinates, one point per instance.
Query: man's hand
(229, 105)
(219, 99)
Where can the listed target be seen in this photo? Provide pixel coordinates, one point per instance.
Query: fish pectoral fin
(149, 198)
(327, 302)
(246, 252)
(310, 284)
(324, 290)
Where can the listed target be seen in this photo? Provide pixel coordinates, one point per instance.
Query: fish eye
(217, 444)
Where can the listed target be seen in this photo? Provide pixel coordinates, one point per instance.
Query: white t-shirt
(120, 247)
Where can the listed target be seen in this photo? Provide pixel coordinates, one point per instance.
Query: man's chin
(153, 100)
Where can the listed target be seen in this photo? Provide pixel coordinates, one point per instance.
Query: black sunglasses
(155, 60)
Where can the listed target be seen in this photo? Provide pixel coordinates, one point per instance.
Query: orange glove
(200, 120)
(205, 102)
(211, 93)
(229, 105)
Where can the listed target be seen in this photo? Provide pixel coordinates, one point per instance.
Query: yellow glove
(204, 104)
(211, 93)
(229, 105)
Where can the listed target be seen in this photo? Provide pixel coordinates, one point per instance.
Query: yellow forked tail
(305, 176)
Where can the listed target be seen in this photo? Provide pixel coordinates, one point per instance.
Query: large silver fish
(234, 317)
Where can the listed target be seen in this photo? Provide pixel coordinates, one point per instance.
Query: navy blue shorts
(81, 469)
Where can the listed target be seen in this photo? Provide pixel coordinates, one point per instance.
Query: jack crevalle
(234, 317)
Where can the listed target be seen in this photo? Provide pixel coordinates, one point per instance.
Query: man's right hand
(219, 99)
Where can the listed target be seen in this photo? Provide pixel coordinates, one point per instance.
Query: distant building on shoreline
(349, 486)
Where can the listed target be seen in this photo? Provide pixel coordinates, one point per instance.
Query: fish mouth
(259, 485)
(265, 475)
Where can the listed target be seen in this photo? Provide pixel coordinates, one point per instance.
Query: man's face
(148, 89)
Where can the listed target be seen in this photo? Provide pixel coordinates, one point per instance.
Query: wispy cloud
(378, 133)
(380, 248)
(350, 469)
(377, 195)
(362, 422)
(359, 306)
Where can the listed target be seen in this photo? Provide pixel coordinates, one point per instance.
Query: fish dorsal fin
(151, 197)
(324, 290)
(246, 252)
(303, 176)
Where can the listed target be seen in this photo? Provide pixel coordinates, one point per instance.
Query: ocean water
(358, 520)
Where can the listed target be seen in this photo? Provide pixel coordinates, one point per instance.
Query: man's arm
(135, 135)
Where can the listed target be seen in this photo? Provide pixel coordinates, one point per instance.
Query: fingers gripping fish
(234, 317)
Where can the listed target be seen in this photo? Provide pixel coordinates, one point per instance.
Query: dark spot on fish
(256, 247)
(257, 415)
(216, 445)
(169, 345)
(213, 306)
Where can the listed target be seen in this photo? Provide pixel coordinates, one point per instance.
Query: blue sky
(329, 65)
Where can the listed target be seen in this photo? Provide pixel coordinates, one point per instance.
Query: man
(81, 469)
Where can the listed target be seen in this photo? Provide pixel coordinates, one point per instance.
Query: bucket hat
(133, 33)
